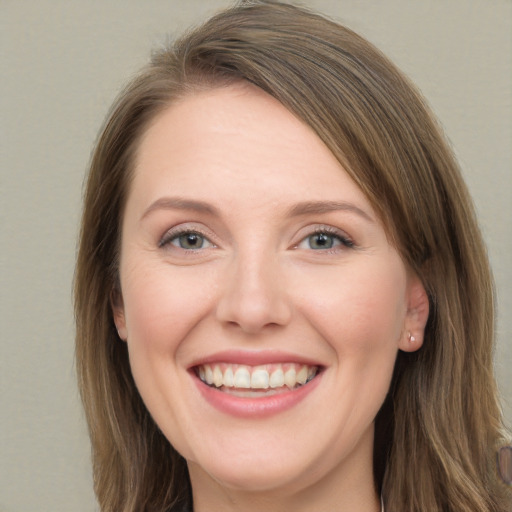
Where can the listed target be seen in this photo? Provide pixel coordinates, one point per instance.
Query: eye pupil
(321, 241)
(191, 241)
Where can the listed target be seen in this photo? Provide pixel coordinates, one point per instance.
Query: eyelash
(175, 234)
(344, 240)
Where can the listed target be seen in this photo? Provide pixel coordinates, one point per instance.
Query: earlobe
(413, 334)
(117, 305)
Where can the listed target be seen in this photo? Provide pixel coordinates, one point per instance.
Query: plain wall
(63, 63)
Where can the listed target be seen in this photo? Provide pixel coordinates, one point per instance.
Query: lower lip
(257, 407)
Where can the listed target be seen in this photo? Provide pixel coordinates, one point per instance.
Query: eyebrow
(318, 207)
(180, 203)
(303, 208)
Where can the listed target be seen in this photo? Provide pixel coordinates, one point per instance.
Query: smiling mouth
(254, 381)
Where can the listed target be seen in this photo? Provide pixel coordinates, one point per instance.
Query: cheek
(162, 305)
(162, 310)
(359, 310)
(379, 306)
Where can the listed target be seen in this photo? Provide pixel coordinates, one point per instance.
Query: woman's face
(262, 303)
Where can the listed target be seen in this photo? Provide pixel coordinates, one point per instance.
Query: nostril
(252, 313)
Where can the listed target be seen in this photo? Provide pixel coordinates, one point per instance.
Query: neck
(348, 487)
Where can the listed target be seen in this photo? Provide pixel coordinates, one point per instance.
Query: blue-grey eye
(322, 241)
(190, 241)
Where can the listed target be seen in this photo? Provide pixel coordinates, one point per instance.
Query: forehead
(237, 140)
(222, 118)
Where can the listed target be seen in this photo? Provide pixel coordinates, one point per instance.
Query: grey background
(63, 62)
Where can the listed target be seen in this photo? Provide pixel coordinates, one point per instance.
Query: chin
(255, 476)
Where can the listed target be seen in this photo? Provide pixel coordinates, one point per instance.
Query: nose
(254, 296)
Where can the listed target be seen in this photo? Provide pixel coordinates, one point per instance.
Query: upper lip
(254, 358)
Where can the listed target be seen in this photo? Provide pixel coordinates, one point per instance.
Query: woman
(283, 300)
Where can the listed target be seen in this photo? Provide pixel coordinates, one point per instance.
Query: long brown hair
(438, 430)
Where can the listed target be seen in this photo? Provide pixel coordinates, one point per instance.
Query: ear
(117, 305)
(416, 317)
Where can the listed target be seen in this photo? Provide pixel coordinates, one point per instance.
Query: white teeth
(242, 378)
(277, 379)
(302, 375)
(259, 379)
(229, 379)
(217, 376)
(267, 377)
(290, 377)
(208, 375)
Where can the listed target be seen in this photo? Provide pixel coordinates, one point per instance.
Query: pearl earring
(411, 338)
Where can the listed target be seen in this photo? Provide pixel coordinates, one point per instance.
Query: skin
(257, 283)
